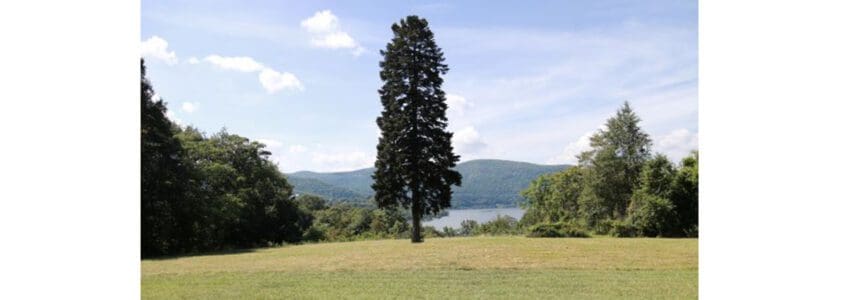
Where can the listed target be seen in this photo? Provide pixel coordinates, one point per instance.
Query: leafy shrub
(575, 232)
(556, 230)
(449, 232)
(501, 225)
(623, 229)
(545, 230)
(652, 215)
(430, 231)
(604, 226)
(468, 227)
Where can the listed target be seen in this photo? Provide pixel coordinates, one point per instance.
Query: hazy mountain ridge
(486, 183)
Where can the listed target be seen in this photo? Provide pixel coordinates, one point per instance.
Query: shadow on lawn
(208, 253)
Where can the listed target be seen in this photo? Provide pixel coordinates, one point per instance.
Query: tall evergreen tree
(415, 159)
(618, 153)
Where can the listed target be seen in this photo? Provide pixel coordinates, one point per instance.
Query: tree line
(618, 187)
(203, 193)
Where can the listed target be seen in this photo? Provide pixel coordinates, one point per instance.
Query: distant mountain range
(487, 183)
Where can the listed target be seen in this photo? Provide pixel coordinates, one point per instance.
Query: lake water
(455, 216)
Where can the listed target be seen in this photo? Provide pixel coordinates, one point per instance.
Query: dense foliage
(203, 193)
(415, 159)
(556, 230)
(164, 215)
(344, 222)
(618, 187)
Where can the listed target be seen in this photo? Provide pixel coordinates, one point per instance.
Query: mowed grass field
(471, 267)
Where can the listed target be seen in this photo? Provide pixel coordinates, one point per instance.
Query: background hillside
(487, 183)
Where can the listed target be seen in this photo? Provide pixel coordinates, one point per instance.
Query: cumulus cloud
(238, 63)
(322, 21)
(326, 33)
(457, 104)
(572, 150)
(335, 40)
(274, 81)
(157, 47)
(677, 143)
(189, 107)
(467, 141)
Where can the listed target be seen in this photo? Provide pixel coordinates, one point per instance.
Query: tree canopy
(203, 193)
(618, 187)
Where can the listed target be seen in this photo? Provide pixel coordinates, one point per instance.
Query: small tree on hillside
(415, 159)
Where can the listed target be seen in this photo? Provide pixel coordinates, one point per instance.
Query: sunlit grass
(454, 267)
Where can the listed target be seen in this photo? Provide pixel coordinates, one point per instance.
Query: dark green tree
(651, 209)
(415, 159)
(163, 228)
(618, 153)
(554, 197)
(684, 194)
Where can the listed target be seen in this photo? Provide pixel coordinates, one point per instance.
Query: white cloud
(157, 47)
(274, 81)
(343, 161)
(677, 143)
(155, 97)
(193, 61)
(322, 21)
(325, 28)
(334, 40)
(467, 141)
(457, 104)
(238, 63)
(189, 107)
(572, 150)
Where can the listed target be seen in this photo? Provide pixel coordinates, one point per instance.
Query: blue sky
(528, 81)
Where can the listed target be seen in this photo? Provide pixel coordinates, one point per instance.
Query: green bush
(575, 232)
(545, 230)
(604, 226)
(556, 230)
(623, 229)
(501, 225)
(652, 215)
(430, 231)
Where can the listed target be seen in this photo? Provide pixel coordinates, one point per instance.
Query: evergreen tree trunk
(416, 220)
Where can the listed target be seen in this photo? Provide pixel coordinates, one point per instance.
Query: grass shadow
(206, 253)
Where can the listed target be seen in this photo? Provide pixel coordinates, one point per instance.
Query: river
(455, 216)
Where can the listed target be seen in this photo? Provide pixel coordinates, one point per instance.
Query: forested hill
(487, 183)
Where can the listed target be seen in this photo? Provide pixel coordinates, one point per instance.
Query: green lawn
(475, 267)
